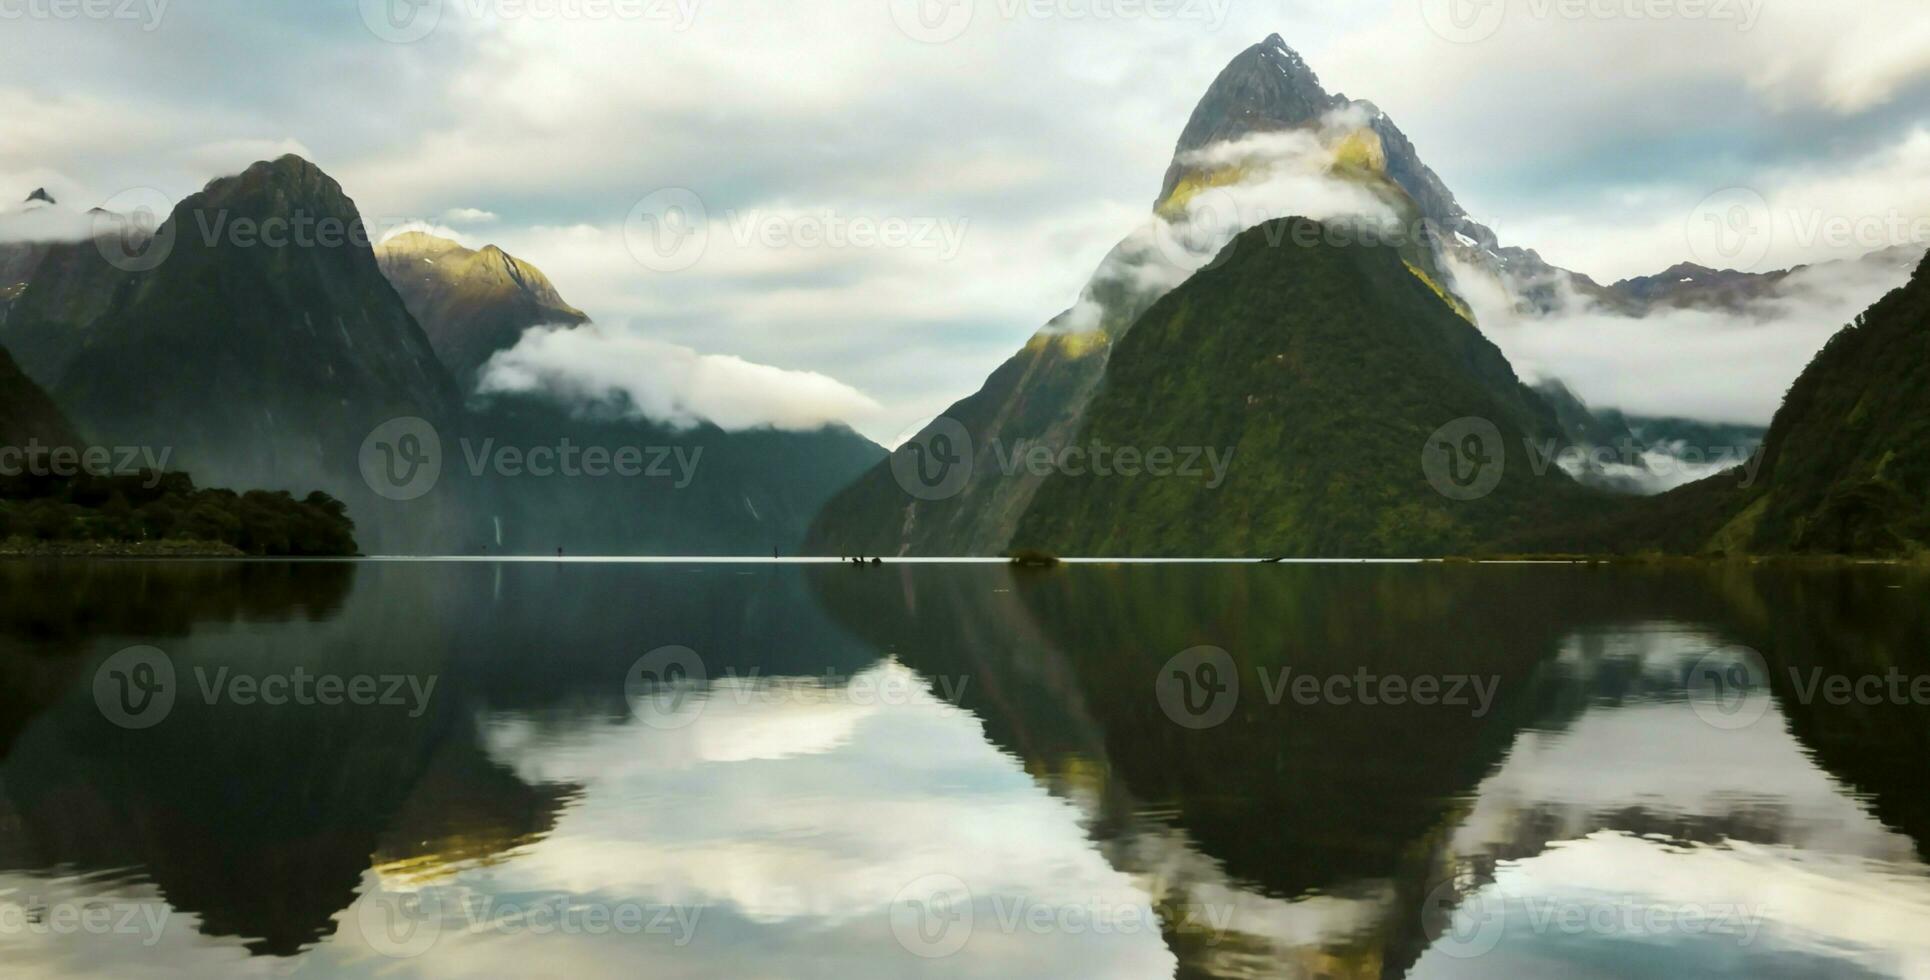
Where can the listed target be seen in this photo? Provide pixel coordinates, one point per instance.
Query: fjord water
(591, 769)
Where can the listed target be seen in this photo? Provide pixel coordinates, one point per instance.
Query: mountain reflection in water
(858, 740)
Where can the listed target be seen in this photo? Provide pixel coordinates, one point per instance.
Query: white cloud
(469, 216)
(1845, 64)
(1706, 364)
(668, 383)
(1049, 134)
(44, 224)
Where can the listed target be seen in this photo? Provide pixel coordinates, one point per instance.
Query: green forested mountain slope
(1324, 370)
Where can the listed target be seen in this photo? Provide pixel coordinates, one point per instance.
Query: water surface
(765, 770)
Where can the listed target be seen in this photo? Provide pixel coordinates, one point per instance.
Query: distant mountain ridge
(1844, 470)
(264, 362)
(472, 303)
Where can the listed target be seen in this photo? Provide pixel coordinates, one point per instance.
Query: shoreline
(203, 551)
(16, 548)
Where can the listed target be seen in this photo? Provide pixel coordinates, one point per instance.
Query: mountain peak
(416, 243)
(287, 183)
(1266, 87)
(41, 196)
(1275, 48)
(472, 303)
(1275, 51)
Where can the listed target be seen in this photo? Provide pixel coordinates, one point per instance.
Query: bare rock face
(472, 304)
(1267, 87)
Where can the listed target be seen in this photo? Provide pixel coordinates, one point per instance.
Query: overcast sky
(994, 157)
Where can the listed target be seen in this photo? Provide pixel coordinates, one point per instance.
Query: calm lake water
(740, 771)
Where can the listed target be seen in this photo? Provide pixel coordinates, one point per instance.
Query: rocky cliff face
(471, 303)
